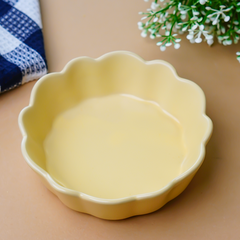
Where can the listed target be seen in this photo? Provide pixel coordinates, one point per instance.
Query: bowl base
(115, 146)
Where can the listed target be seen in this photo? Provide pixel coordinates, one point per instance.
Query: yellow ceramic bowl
(115, 136)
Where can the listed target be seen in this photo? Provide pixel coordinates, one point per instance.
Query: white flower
(218, 13)
(196, 32)
(238, 56)
(168, 26)
(220, 38)
(154, 6)
(162, 48)
(193, 18)
(190, 35)
(198, 40)
(162, 18)
(202, 1)
(235, 40)
(183, 16)
(184, 29)
(227, 42)
(174, 29)
(140, 25)
(177, 46)
(177, 26)
(192, 40)
(210, 42)
(194, 27)
(183, 10)
(207, 20)
(144, 17)
(152, 36)
(167, 33)
(195, 13)
(144, 33)
(223, 29)
(209, 39)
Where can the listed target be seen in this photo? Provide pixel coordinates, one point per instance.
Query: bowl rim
(142, 196)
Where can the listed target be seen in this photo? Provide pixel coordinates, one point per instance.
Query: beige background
(208, 209)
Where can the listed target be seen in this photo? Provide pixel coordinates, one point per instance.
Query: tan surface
(208, 209)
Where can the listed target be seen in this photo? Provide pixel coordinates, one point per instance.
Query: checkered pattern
(22, 56)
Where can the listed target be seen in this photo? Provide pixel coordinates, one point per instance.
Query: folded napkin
(22, 55)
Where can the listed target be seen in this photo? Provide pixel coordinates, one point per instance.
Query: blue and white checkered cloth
(22, 55)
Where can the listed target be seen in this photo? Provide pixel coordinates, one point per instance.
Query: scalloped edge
(83, 196)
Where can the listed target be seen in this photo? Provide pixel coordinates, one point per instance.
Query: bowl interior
(107, 78)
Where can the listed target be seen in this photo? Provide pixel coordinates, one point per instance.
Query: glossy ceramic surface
(117, 74)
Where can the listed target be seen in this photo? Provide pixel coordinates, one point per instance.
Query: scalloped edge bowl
(115, 72)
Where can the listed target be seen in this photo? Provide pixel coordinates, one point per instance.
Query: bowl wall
(116, 73)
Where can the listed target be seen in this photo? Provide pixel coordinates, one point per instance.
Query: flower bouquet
(202, 20)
